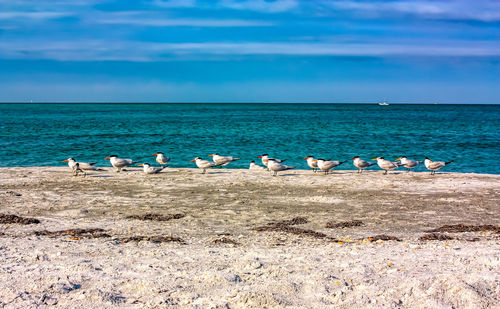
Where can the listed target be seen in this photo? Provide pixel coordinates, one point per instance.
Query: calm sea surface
(45, 134)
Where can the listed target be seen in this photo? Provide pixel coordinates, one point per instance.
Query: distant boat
(383, 103)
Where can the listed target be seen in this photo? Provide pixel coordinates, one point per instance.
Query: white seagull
(361, 164)
(312, 163)
(161, 159)
(222, 160)
(118, 163)
(76, 168)
(265, 159)
(435, 165)
(326, 165)
(82, 165)
(148, 169)
(204, 164)
(276, 166)
(386, 165)
(254, 166)
(409, 164)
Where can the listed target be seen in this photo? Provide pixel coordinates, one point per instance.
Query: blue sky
(250, 51)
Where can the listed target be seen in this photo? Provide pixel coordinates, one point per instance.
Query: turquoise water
(45, 134)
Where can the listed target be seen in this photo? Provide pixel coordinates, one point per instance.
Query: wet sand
(240, 238)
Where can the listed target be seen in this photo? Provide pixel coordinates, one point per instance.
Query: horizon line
(262, 102)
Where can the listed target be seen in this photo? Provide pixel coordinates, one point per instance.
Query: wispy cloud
(260, 5)
(98, 50)
(34, 15)
(482, 10)
(175, 3)
(146, 19)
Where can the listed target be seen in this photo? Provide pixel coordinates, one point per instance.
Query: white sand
(265, 268)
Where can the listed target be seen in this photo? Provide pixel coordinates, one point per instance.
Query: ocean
(46, 134)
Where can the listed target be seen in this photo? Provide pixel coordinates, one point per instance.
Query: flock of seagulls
(271, 164)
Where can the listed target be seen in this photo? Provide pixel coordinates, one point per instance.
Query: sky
(346, 51)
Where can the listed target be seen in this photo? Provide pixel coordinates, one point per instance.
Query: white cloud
(260, 5)
(102, 50)
(187, 22)
(482, 10)
(34, 15)
(175, 3)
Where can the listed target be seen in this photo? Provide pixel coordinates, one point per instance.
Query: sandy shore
(227, 239)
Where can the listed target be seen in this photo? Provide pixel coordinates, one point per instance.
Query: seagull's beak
(210, 155)
(65, 160)
(306, 158)
(397, 159)
(315, 160)
(140, 165)
(107, 158)
(193, 160)
(155, 154)
(375, 159)
(259, 157)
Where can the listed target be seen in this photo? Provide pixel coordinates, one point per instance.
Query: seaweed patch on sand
(154, 239)
(462, 228)
(10, 219)
(345, 224)
(287, 227)
(75, 233)
(156, 217)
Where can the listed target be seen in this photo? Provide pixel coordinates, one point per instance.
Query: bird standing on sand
(409, 164)
(276, 166)
(82, 165)
(326, 165)
(118, 163)
(76, 168)
(265, 159)
(161, 159)
(254, 166)
(148, 169)
(435, 165)
(386, 165)
(312, 163)
(222, 160)
(361, 164)
(204, 164)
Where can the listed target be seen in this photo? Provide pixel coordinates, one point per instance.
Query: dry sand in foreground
(241, 239)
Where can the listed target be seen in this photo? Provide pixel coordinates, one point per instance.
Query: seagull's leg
(385, 172)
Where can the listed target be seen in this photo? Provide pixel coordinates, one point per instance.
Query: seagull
(76, 168)
(327, 165)
(435, 165)
(254, 166)
(312, 163)
(82, 165)
(409, 164)
(222, 160)
(148, 169)
(204, 164)
(361, 164)
(386, 165)
(161, 159)
(276, 166)
(118, 163)
(265, 158)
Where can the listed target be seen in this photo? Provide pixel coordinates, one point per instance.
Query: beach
(236, 238)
